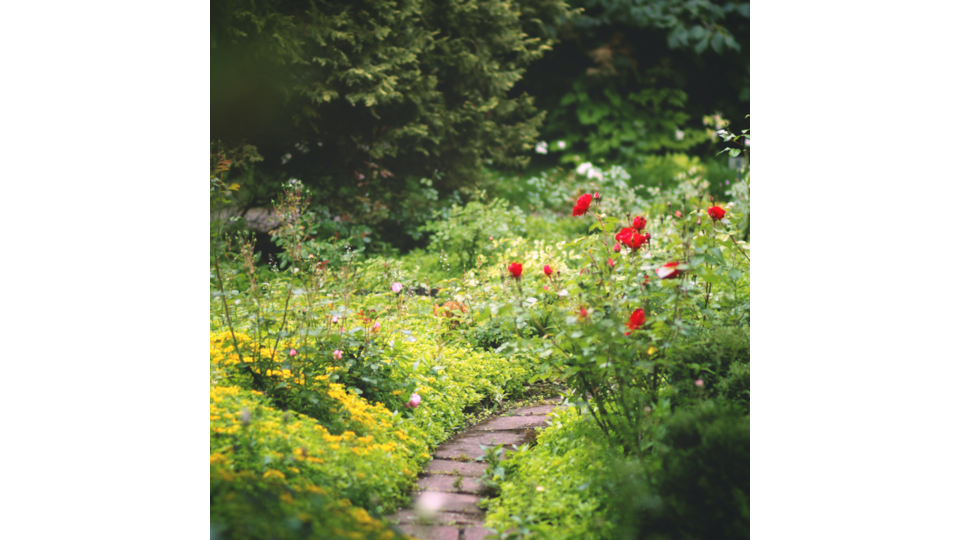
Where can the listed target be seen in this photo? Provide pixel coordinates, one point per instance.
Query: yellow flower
(651, 350)
(273, 474)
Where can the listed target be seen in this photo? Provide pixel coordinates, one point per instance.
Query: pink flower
(397, 287)
(610, 262)
(293, 352)
(546, 288)
(678, 214)
(376, 326)
(338, 354)
(698, 382)
(414, 401)
(616, 247)
(335, 319)
(547, 270)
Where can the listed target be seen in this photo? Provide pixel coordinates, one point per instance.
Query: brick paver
(513, 423)
(445, 508)
(449, 482)
(446, 466)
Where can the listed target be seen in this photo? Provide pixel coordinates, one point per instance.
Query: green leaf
(702, 46)
(717, 42)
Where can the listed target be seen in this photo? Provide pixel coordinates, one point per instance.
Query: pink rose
(337, 354)
(414, 401)
(293, 352)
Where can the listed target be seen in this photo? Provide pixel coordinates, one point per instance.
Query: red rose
(639, 223)
(547, 270)
(516, 269)
(583, 203)
(669, 271)
(610, 262)
(631, 238)
(583, 312)
(716, 212)
(637, 318)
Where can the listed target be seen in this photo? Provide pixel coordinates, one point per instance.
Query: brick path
(445, 507)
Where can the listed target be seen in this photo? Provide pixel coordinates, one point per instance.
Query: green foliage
(720, 357)
(248, 509)
(362, 100)
(702, 489)
(469, 231)
(557, 489)
(620, 124)
(695, 24)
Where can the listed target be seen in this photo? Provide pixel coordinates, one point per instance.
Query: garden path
(445, 506)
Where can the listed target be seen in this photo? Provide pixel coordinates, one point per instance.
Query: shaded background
(389, 111)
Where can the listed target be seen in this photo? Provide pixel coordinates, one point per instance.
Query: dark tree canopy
(361, 100)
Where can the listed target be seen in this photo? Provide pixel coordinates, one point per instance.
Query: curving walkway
(445, 507)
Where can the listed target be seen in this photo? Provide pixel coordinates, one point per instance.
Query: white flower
(584, 167)
(541, 147)
(595, 173)
(679, 135)
(561, 144)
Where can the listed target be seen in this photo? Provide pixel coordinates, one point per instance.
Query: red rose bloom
(631, 238)
(637, 318)
(716, 212)
(583, 312)
(547, 270)
(583, 203)
(669, 271)
(639, 223)
(516, 269)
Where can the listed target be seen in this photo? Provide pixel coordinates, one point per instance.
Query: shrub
(710, 355)
(364, 99)
(557, 489)
(702, 489)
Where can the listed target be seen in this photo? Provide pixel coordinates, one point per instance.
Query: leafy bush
(469, 232)
(557, 489)
(710, 356)
(702, 490)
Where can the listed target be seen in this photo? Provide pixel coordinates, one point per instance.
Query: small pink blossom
(376, 326)
(414, 401)
(293, 352)
(678, 214)
(335, 319)
(610, 262)
(698, 382)
(338, 354)
(397, 287)
(546, 288)
(616, 247)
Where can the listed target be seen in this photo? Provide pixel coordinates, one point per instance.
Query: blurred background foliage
(392, 111)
